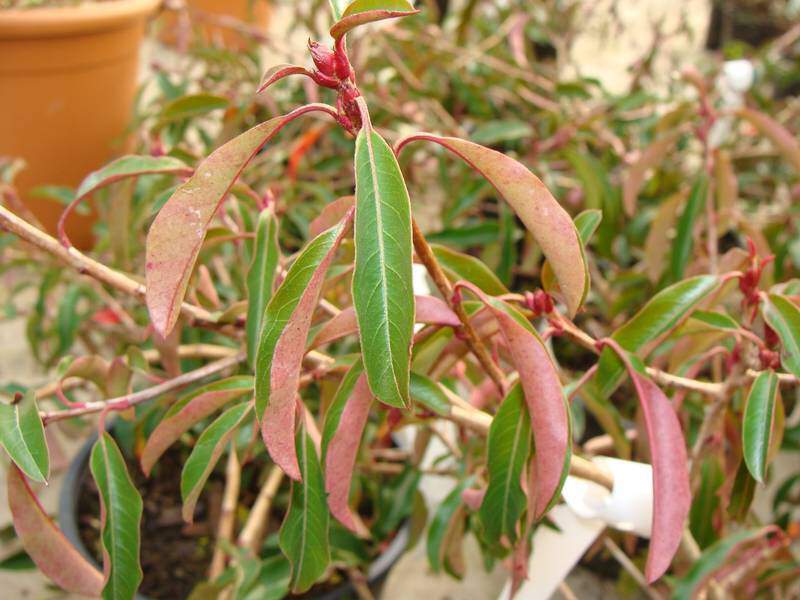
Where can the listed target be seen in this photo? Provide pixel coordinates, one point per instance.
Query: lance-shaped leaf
(382, 280)
(712, 560)
(442, 521)
(758, 420)
(586, 223)
(192, 105)
(121, 515)
(22, 437)
(784, 317)
(281, 346)
(278, 72)
(361, 12)
(684, 238)
(341, 436)
(330, 215)
(430, 394)
(550, 225)
(52, 553)
(190, 410)
(650, 158)
(672, 495)
(429, 310)
(177, 233)
(206, 453)
(661, 315)
(261, 277)
(784, 140)
(547, 406)
(463, 266)
(304, 533)
(508, 446)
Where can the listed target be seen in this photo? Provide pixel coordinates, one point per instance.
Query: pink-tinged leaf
(544, 396)
(784, 140)
(190, 410)
(177, 233)
(344, 425)
(430, 310)
(550, 225)
(45, 544)
(330, 215)
(278, 72)
(650, 157)
(473, 497)
(361, 12)
(282, 344)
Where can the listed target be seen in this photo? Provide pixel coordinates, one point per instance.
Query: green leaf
(22, 437)
(508, 447)
(705, 503)
(261, 277)
(684, 239)
(361, 12)
(458, 265)
(121, 516)
(129, 166)
(757, 422)
(272, 580)
(491, 133)
(663, 313)
(429, 394)
(337, 8)
(304, 533)
(440, 524)
(784, 317)
(587, 223)
(382, 280)
(205, 454)
(396, 501)
(706, 320)
(649, 158)
(281, 346)
(187, 107)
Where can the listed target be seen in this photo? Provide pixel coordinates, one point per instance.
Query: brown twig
(252, 533)
(227, 520)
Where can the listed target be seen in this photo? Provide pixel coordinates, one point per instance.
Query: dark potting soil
(175, 556)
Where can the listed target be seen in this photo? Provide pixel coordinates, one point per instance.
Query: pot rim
(68, 523)
(62, 21)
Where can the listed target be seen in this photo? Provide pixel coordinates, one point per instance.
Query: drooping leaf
(684, 238)
(205, 454)
(177, 233)
(361, 12)
(53, 554)
(649, 159)
(544, 396)
(758, 421)
(121, 515)
(784, 317)
(440, 524)
(784, 140)
(279, 72)
(22, 437)
(382, 281)
(304, 533)
(429, 310)
(714, 558)
(458, 265)
(508, 446)
(662, 314)
(550, 225)
(341, 436)
(130, 166)
(281, 346)
(261, 277)
(190, 410)
(429, 394)
(193, 105)
(672, 495)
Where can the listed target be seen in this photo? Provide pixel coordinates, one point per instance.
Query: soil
(174, 556)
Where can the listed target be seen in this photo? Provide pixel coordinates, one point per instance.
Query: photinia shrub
(323, 348)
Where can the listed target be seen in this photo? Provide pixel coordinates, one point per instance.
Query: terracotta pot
(215, 20)
(68, 78)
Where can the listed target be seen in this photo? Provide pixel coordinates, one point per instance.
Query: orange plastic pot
(68, 78)
(216, 21)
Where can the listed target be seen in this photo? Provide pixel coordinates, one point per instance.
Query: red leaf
(46, 545)
(672, 496)
(279, 72)
(330, 215)
(278, 422)
(177, 233)
(430, 310)
(340, 456)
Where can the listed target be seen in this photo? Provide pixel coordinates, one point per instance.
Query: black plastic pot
(68, 521)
